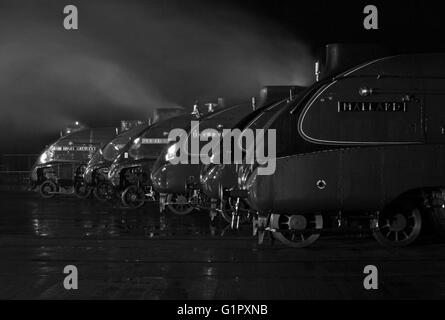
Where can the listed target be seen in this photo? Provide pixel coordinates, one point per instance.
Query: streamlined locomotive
(178, 185)
(366, 143)
(129, 173)
(217, 180)
(96, 172)
(60, 167)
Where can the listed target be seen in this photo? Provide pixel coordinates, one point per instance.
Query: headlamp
(171, 152)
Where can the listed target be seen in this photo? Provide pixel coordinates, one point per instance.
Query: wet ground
(122, 254)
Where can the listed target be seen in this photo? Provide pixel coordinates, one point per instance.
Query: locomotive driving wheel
(133, 197)
(398, 226)
(81, 190)
(297, 230)
(178, 204)
(47, 189)
(229, 208)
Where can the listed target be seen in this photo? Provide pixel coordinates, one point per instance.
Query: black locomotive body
(60, 167)
(96, 172)
(367, 141)
(179, 184)
(219, 180)
(129, 173)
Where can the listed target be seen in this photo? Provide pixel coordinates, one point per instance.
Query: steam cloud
(129, 57)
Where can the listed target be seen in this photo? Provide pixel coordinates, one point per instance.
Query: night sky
(128, 57)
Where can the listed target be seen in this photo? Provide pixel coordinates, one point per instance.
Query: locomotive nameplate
(75, 148)
(347, 106)
(154, 141)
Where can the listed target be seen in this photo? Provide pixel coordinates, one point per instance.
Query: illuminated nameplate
(154, 141)
(75, 148)
(371, 106)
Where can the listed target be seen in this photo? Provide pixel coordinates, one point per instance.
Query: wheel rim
(399, 227)
(82, 190)
(299, 231)
(182, 208)
(133, 197)
(47, 188)
(229, 207)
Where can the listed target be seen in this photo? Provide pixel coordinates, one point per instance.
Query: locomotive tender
(368, 143)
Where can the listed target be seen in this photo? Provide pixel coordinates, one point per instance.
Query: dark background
(128, 57)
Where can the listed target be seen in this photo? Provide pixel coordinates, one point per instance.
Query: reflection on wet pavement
(141, 254)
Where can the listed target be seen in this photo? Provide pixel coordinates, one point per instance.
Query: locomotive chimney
(253, 103)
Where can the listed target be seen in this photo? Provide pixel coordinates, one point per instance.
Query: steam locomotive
(366, 143)
(178, 185)
(129, 174)
(96, 172)
(218, 180)
(60, 167)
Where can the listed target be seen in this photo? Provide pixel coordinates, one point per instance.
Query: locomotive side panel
(408, 168)
(434, 97)
(300, 182)
(390, 113)
(364, 179)
(373, 177)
